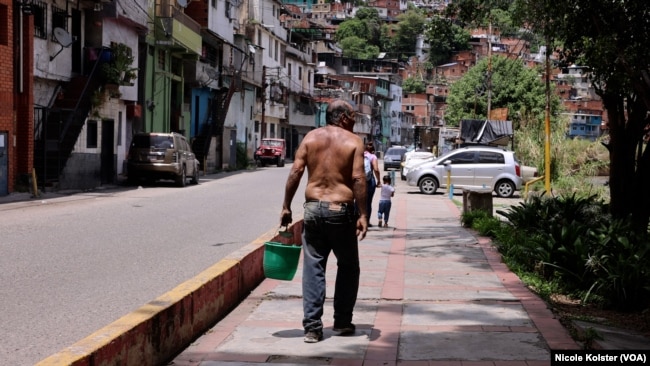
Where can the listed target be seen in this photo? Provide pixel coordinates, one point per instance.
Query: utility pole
(489, 71)
(263, 124)
(547, 121)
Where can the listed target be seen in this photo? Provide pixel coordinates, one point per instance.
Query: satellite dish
(212, 73)
(182, 3)
(64, 39)
(62, 36)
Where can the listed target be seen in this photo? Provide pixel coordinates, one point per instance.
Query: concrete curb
(159, 330)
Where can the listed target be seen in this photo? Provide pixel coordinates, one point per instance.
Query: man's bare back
(327, 154)
(333, 158)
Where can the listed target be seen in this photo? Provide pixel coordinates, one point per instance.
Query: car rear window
(152, 141)
(394, 151)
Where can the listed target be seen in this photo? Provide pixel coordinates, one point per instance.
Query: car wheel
(505, 188)
(428, 185)
(195, 176)
(280, 162)
(180, 180)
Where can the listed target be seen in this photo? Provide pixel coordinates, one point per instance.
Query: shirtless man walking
(333, 157)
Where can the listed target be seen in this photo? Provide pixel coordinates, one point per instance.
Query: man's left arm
(293, 181)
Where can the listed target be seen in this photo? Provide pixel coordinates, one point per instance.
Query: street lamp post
(263, 122)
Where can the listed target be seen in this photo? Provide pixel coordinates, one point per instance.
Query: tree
(413, 85)
(444, 38)
(365, 26)
(610, 37)
(351, 28)
(355, 47)
(410, 25)
(514, 86)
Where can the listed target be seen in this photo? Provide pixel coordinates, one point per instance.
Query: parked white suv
(471, 167)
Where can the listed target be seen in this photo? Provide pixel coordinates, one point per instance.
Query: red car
(271, 151)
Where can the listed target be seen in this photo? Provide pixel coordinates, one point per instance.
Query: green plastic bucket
(280, 260)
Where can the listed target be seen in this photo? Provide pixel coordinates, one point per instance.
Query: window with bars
(59, 20)
(209, 55)
(39, 11)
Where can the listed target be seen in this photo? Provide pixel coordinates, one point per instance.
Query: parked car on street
(528, 173)
(413, 158)
(393, 158)
(156, 155)
(271, 151)
(470, 167)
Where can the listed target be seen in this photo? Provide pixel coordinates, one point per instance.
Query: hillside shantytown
(81, 77)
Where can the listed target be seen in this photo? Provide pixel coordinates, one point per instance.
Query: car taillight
(518, 170)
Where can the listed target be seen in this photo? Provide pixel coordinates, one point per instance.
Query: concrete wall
(82, 171)
(157, 331)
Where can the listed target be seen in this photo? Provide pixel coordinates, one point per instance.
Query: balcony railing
(176, 29)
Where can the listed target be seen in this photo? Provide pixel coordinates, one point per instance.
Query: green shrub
(566, 241)
(467, 218)
(573, 243)
(620, 265)
(488, 226)
(242, 157)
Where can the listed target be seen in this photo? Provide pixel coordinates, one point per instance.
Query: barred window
(59, 20)
(39, 10)
(209, 55)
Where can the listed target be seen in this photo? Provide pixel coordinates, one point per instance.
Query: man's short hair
(335, 110)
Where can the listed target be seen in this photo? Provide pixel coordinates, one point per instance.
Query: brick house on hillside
(419, 106)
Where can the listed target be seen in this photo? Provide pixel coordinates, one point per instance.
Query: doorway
(108, 158)
(233, 148)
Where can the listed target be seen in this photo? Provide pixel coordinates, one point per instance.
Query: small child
(387, 191)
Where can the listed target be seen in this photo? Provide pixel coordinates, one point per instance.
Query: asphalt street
(73, 262)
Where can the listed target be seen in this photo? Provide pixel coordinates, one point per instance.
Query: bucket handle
(287, 234)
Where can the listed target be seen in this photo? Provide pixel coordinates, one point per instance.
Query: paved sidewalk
(431, 293)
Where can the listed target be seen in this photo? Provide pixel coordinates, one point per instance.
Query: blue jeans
(384, 208)
(329, 229)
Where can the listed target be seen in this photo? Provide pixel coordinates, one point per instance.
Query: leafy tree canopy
(365, 25)
(413, 85)
(355, 47)
(410, 26)
(444, 38)
(514, 86)
(351, 28)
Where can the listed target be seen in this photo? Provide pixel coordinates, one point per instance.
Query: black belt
(334, 206)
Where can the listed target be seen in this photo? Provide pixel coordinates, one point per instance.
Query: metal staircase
(61, 123)
(215, 118)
